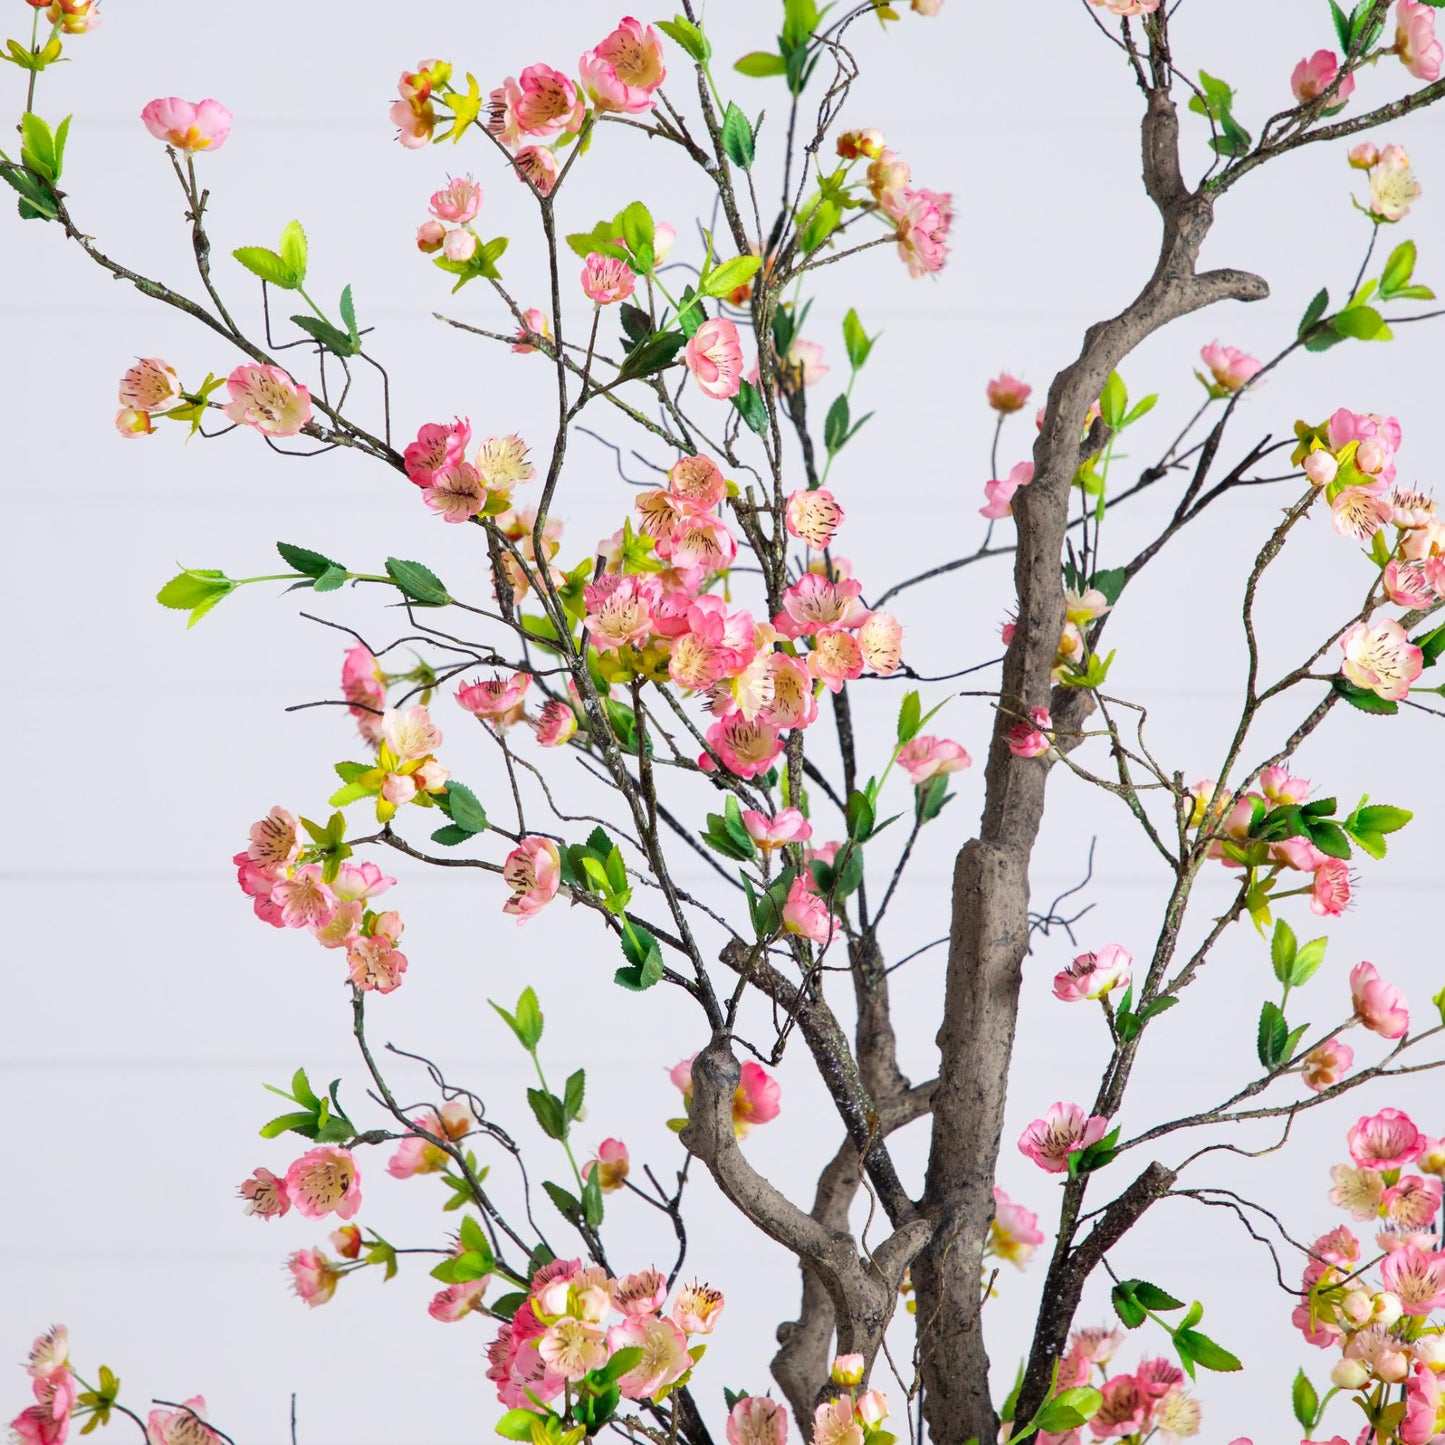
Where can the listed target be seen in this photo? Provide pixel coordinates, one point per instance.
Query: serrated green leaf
(303, 560)
(1363, 699)
(910, 717)
(1305, 1400)
(1363, 323)
(1206, 1352)
(1282, 950)
(1113, 400)
(724, 279)
(1306, 962)
(687, 35)
(1272, 1033)
(751, 407)
(856, 341)
(737, 137)
(760, 64)
(348, 315)
(418, 582)
(263, 262)
(293, 251)
(1313, 312)
(465, 809)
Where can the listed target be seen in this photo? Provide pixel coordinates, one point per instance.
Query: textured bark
(989, 931)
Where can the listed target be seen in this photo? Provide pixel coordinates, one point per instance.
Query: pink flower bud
(1350, 1375)
(872, 1408)
(430, 235)
(1371, 457)
(460, 245)
(847, 1370)
(1357, 1306)
(1364, 155)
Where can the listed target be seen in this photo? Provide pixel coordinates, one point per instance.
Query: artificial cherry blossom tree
(708, 663)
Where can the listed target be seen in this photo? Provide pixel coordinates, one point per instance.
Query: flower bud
(132, 423)
(1320, 468)
(872, 1408)
(1350, 1375)
(1357, 1307)
(460, 245)
(847, 1370)
(430, 235)
(1393, 1366)
(1363, 156)
(1371, 458)
(1429, 1350)
(664, 238)
(855, 143)
(1387, 1309)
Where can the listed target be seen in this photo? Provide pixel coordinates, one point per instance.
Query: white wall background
(143, 1007)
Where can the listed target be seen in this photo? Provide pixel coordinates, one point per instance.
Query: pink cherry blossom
(375, 963)
(1387, 1140)
(492, 699)
(880, 640)
(925, 757)
(303, 899)
(701, 540)
(1357, 1190)
(814, 602)
(757, 1420)
(1413, 1203)
(516, 1367)
(664, 1354)
(787, 825)
(1424, 1420)
(456, 493)
(556, 724)
(313, 1276)
(1030, 739)
(189, 126)
(1129, 7)
(697, 481)
(814, 517)
(612, 1163)
(714, 356)
(414, 122)
(573, 1347)
(746, 748)
(1393, 187)
(888, 177)
(698, 1306)
(275, 840)
(1230, 367)
(364, 687)
(541, 103)
(1321, 468)
(438, 445)
(836, 658)
(1417, 1276)
(756, 1100)
(1014, 1233)
(1415, 41)
(1315, 74)
(607, 278)
(1064, 1129)
(1379, 1006)
(923, 218)
(533, 871)
(538, 167)
(265, 1195)
(534, 324)
(1125, 1408)
(806, 914)
(620, 610)
(1381, 659)
(834, 1423)
(151, 385)
(410, 734)
(999, 492)
(457, 1301)
(1007, 393)
(182, 1426)
(639, 1294)
(1092, 975)
(803, 363)
(1326, 1064)
(1330, 889)
(1359, 512)
(266, 398)
(325, 1179)
(49, 1353)
(622, 72)
(458, 201)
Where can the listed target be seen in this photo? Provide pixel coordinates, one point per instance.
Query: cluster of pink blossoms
(1393, 186)
(47, 1421)
(1330, 885)
(459, 489)
(322, 1181)
(562, 1331)
(289, 892)
(150, 388)
(756, 1100)
(923, 218)
(1352, 457)
(265, 398)
(455, 205)
(851, 1417)
(1382, 1329)
(1150, 1399)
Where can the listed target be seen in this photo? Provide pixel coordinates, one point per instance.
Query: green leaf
(1113, 400)
(464, 809)
(760, 64)
(519, 1424)
(1126, 1306)
(1273, 1032)
(38, 147)
(856, 341)
(823, 220)
(860, 816)
(1305, 1400)
(638, 230)
(1363, 698)
(450, 836)
(592, 1207)
(1398, 269)
(636, 326)
(573, 1094)
(1313, 312)
(1206, 1352)
(644, 958)
(652, 353)
(1306, 962)
(750, 405)
(1154, 1298)
(835, 427)
(687, 35)
(37, 202)
(726, 278)
(1431, 645)
(419, 583)
(910, 717)
(547, 1108)
(1142, 407)
(737, 137)
(329, 580)
(1110, 582)
(336, 342)
(1362, 322)
(1069, 1409)
(1328, 837)
(263, 262)
(1342, 25)
(197, 589)
(293, 251)
(348, 315)
(930, 797)
(311, 564)
(1282, 950)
